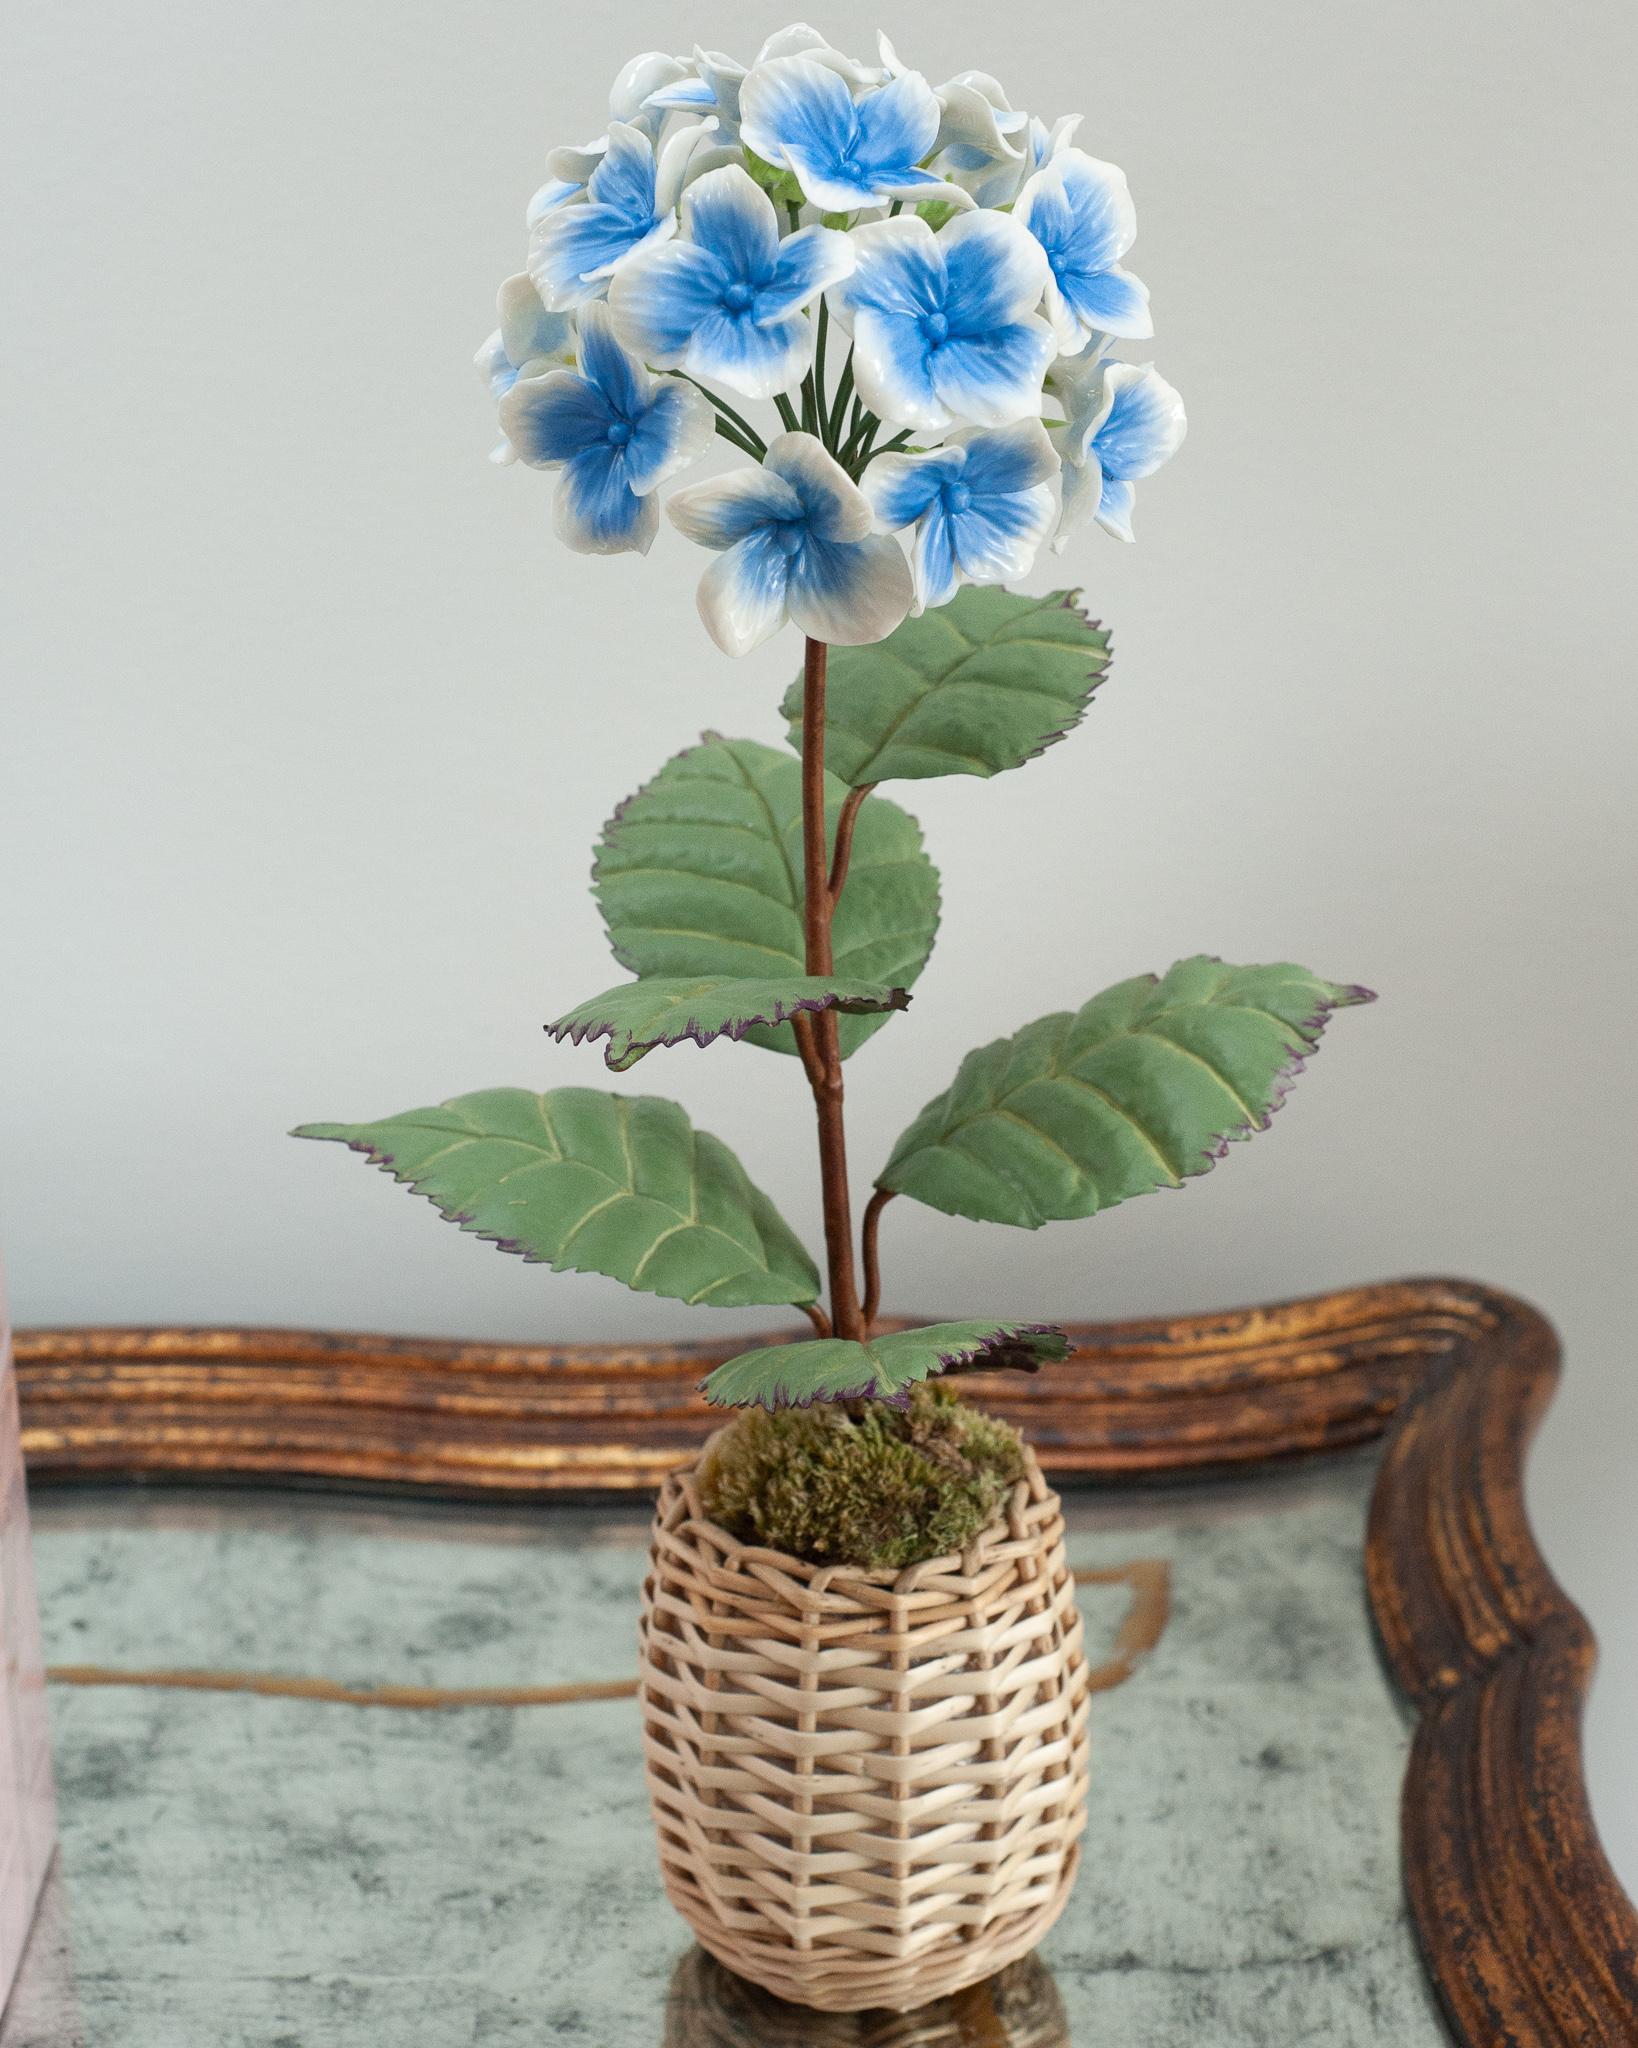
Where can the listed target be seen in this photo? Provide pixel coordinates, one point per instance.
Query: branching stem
(825, 1067)
(872, 1255)
(844, 839)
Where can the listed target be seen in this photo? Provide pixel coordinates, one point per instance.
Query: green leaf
(700, 875)
(984, 683)
(1143, 1087)
(639, 1015)
(834, 1369)
(592, 1183)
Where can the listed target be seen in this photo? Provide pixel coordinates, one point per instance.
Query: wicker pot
(869, 1785)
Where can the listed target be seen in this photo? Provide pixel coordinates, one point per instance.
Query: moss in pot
(863, 1696)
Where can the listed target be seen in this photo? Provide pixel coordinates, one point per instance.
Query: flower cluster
(742, 234)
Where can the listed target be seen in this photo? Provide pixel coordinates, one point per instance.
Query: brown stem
(872, 1258)
(825, 1071)
(816, 1315)
(844, 839)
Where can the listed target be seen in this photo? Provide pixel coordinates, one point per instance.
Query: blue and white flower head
(630, 204)
(845, 153)
(726, 302)
(614, 433)
(968, 262)
(981, 506)
(1081, 213)
(796, 541)
(1124, 421)
(528, 341)
(944, 326)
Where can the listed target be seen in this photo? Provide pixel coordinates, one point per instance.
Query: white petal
(643, 76)
(834, 505)
(741, 596)
(675, 158)
(725, 510)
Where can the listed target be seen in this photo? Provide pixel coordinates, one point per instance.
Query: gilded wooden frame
(1528, 1938)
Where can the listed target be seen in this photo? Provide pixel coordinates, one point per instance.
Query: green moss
(875, 1486)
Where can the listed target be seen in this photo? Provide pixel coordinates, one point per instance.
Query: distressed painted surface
(254, 1873)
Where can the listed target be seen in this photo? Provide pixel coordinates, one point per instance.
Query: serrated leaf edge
(999, 1340)
(1311, 1029)
(619, 1057)
(385, 1162)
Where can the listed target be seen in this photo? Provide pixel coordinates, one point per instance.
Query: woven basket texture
(869, 1786)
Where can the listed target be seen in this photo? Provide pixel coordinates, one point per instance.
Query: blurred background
(310, 723)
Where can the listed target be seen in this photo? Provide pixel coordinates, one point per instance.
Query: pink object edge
(28, 1808)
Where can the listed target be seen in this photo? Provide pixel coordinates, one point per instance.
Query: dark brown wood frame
(1528, 1938)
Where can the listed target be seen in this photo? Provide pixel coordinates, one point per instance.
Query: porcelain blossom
(923, 281)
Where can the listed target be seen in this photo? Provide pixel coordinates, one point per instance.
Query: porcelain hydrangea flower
(944, 326)
(846, 153)
(615, 434)
(726, 303)
(795, 541)
(527, 341)
(1124, 421)
(1081, 213)
(981, 506)
(630, 204)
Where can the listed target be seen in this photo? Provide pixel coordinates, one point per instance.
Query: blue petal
(893, 366)
(742, 594)
(686, 96)
(754, 358)
(933, 562)
(1105, 221)
(624, 179)
(1044, 208)
(676, 428)
(1010, 459)
(899, 267)
(1145, 423)
(554, 193)
(897, 125)
(794, 103)
(597, 511)
(723, 512)
(554, 418)
(997, 272)
(730, 214)
(996, 539)
(661, 297)
(994, 379)
(849, 592)
(604, 362)
(1115, 507)
(809, 262)
(833, 506)
(1107, 302)
(901, 487)
(835, 183)
(577, 246)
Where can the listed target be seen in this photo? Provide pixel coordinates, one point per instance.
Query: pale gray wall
(310, 724)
